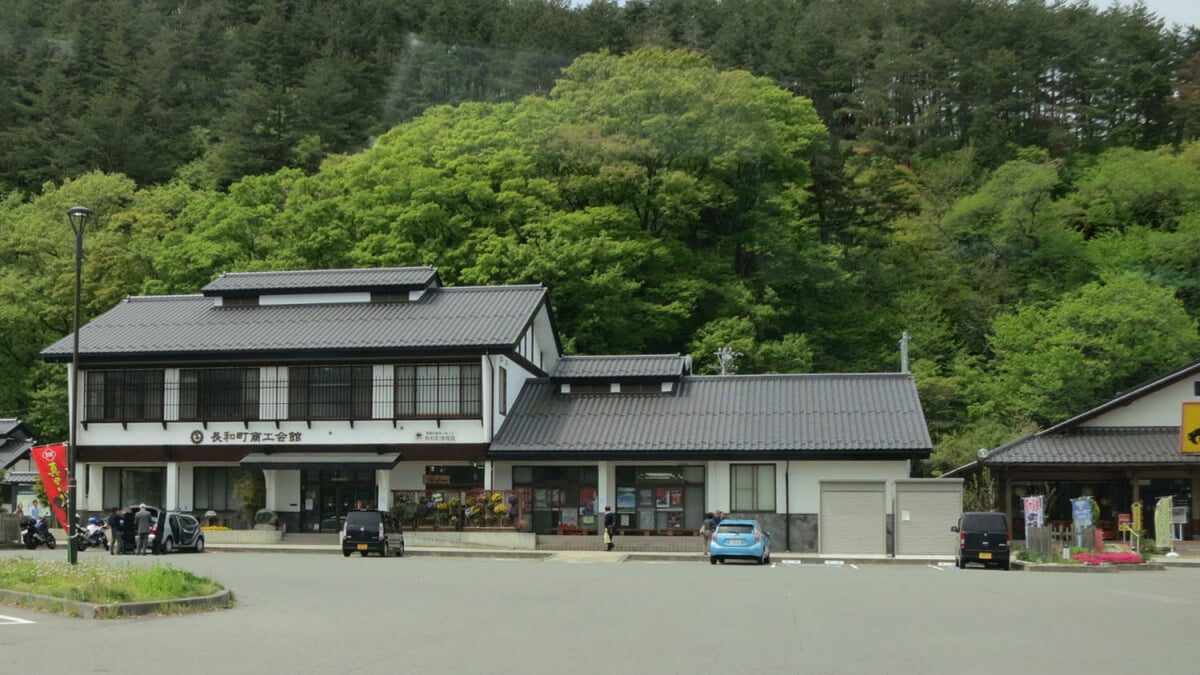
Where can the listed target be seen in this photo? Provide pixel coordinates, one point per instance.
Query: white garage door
(925, 509)
(853, 517)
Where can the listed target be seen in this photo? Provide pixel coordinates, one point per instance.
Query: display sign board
(1189, 429)
(1033, 511)
(1162, 523)
(1081, 512)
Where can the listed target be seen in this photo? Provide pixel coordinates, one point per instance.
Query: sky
(1186, 12)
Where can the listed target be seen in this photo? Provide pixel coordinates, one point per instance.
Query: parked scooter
(35, 532)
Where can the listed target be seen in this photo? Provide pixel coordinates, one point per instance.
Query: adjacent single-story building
(1134, 448)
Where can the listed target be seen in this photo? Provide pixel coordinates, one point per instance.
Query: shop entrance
(329, 495)
(564, 497)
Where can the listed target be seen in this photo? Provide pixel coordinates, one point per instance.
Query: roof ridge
(328, 271)
(178, 296)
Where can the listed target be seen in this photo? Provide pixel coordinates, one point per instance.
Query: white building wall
(1162, 408)
(806, 476)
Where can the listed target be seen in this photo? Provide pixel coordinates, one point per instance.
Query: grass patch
(102, 583)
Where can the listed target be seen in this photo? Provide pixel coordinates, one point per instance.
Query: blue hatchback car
(743, 539)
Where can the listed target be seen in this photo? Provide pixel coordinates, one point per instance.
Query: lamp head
(78, 215)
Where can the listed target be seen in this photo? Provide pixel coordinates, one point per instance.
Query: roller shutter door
(924, 511)
(853, 517)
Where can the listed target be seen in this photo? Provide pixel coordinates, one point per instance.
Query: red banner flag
(52, 466)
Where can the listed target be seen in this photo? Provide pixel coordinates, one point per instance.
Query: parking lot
(307, 613)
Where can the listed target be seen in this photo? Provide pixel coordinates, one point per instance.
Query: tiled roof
(835, 416)
(444, 318)
(14, 442)
(314, 280)
(1096, 445)
(657, 366)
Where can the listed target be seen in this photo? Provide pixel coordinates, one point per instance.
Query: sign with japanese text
(51, 463)
(1189, 430)
(235, 437)
(1033, 511)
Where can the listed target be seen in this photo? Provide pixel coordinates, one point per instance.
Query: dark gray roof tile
(650, 366)
(444, 318)
(314, 280)
(1096, 445)
(826, 415)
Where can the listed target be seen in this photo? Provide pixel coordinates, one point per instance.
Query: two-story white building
(342, 385)
(360, 387)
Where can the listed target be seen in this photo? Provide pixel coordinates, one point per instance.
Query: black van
(983, 537)
(366, 531)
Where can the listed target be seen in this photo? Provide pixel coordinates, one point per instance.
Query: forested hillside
(1014, 184)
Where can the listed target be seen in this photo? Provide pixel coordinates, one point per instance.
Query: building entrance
(329, 495)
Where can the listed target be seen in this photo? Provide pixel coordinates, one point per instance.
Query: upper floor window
(124, 396)
(591, 388)
(439, 390)
(329, 392)
(218, 393)
(752, 487)
(503, 391)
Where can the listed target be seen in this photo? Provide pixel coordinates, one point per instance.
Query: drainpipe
(787, 508)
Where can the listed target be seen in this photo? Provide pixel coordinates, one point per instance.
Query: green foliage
(251, 491)
(102, 583)
(1056, 360)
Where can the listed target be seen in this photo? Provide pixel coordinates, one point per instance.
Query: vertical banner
(1033, 512)
(1081, 512)
(1162, 523)
(51, 463)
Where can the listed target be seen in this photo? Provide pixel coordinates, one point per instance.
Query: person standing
(610, 527)
(116, 525)
(706, 530)
(34, 511)
(142, 520)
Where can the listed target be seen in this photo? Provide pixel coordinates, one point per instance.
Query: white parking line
(12, 620)
(936, 568)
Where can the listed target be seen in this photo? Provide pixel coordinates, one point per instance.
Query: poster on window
(675, 519)
(541, 500)
(676, 495)
(626, 497)
(662, 498)
(568, 518)
(645, 498)
(587, 501)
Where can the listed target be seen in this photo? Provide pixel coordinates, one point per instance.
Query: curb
(90, 610)
(1103, 568)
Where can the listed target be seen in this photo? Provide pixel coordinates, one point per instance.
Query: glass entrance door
(329, 495)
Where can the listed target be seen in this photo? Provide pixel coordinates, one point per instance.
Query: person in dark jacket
(610, 527)
(116, 525)
(706, 531)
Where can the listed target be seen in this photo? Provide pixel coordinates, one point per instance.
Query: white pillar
(606, 489)
(172, 486)
(271, 480)
(94, 499)
(383, 482)
(488, 470)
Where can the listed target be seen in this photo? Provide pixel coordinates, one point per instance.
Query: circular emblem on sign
(49, 454)
(197, 436)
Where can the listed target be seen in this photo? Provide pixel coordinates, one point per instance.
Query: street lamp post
(78, 217)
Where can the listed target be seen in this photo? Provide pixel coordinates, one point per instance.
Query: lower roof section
(321, 460)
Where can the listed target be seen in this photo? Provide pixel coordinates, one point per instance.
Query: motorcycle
(35, 532)
(92, 535)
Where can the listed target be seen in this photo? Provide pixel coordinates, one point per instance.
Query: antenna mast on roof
(726, 356)
(904, 352)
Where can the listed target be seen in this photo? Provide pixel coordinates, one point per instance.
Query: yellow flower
(500, 510)
(443, 506)
(496, 496)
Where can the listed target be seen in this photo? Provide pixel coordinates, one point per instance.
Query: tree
(251, 491)
(1055, 360)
